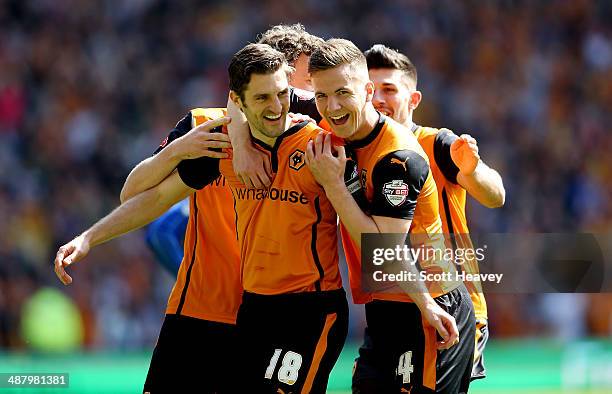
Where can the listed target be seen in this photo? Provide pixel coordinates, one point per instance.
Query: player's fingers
(215, 137)
(215, 155)
(453, 333)
(341, 153)
(256, 180)
(59, 271)
(65, 278)
(318, 145)
(242, 179)
(327, 144)
(457, 144)
(248, 182)
(264, 181)
(61, 274)
(468, 138)
(211, 124)
(59, 256)
(216, 144)
(294, 119)
(65, 251)
(268, 168)
(263, 177)
(473, 149)
(75, 255)
(473, 146)
(309, 152)
(439, 326)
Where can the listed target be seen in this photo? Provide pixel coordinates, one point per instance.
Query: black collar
(370, 137)
(290, 131)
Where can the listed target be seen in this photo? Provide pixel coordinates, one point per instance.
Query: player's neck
(408, 122)
(369, 123)
(270, 141)
(264, 138)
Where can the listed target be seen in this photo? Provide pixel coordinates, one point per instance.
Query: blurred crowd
(89, 88)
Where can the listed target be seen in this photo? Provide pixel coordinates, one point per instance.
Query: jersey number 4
(405, 367)
(288, 372)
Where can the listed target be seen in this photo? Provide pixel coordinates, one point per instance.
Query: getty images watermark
(494, 263)
(436, 257)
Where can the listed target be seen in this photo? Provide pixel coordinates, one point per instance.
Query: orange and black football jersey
(451, 196)
(397, 182)
(208, 282)
(287, 233)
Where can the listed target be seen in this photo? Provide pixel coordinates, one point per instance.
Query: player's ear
(235, 97)
(415, 99)
(369, 87)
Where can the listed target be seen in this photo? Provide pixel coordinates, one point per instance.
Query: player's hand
(444, 324)
(464, 152)
(68, 254)
(327, 168)
(199, 141)
(299, 118)
(252, 167)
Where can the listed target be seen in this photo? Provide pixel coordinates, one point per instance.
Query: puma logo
(398, 161)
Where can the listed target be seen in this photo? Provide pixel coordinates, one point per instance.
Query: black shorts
(290, 342)
(399, 353)
(192, 355)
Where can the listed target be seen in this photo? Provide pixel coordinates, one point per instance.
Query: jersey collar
(290, 131)
(370, 137)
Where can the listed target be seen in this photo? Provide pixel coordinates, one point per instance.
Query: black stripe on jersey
(442, 144)
(370, 137)
(236, 216)
(274, 149)
(449, 220)
(313, 245)
(193, 256)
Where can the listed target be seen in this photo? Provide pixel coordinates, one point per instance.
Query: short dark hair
(333, 53)
(381, 56)
(253, 59)
(291, 40)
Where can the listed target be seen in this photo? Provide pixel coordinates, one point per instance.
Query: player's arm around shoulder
(185, 141)
(251, 166)
(459, 159)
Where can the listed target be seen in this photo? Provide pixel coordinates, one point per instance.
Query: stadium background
(88, 89)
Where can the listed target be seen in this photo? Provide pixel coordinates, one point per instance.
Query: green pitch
(514, 367)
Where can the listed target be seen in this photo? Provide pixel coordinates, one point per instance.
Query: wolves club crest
(296, 160)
